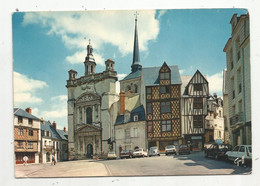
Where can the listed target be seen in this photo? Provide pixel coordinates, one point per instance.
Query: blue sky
(47, 45)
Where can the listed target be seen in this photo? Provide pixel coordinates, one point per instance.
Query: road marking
(109, 172)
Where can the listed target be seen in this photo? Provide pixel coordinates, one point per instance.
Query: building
(194, 109)
(90, 97)
(163, 104)
(214, 126)
(27, 136)
(227, 131)
(237, 51)
(53, 142)
(63, 145)
(130, 125)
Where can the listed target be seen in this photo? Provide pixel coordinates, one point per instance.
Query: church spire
(136, 65)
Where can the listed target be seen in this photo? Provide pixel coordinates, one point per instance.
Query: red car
(184, 149)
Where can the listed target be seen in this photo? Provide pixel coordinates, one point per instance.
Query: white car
(140, 153)
(111, 155)
(170, 149)
(240, 152)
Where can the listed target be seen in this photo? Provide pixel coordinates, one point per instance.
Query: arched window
(89, 115)
(91, 69)
(136, 88)
(128, 88)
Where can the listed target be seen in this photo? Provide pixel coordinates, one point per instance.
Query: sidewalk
(78, 168)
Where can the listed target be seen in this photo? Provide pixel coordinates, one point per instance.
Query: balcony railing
(236, 118)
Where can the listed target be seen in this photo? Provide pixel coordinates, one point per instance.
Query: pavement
(193, 164)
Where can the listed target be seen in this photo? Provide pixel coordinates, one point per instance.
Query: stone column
(94, 144)
(84, 151)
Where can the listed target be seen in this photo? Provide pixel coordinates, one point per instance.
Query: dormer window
(20, 119)
(127, 117)
(135, 118)
(30, 121)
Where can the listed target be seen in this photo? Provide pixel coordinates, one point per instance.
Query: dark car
(184, 149)
(126, 154)
(217, 151)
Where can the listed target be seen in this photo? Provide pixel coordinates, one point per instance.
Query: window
(166, 126)
(219, 113)
(198, 103)
(20, 145)
(164, 75)
(165, 89)
(42, 132)
(20, 119)
(30, 121)
(165, 107)
(236, 148)
(135, 117)
(127, 135)
(150, 126)
(136, 89)
(45, 142)
(231, 65)
(197, 87)
(149, 108)
(30, 145)
(30, 132)
(198, 121)
(47, 133)
(242, 149)
(89, 115)
(134, 132)
(148, 90)
(20, 131)
(128, 88)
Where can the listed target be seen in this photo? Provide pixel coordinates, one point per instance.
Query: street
(193, 164)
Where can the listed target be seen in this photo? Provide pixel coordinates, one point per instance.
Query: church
(89, 100)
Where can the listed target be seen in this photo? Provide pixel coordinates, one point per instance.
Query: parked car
(154, 151)
(126, 154)
(111, 155)
(240, 151)
(170, 149)
(184, 149)
(217, 150)
(140, 152)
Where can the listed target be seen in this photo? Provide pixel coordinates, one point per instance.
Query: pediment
(88, 128)
(87, 97)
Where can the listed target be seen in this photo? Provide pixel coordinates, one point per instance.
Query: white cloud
(215, 83)
(114, 27)
(57, 109)
(121, 76)
(26, 89)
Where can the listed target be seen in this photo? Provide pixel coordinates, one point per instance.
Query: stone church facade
(89, 100)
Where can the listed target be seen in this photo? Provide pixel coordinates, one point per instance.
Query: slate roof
(151, 75)
(137, 111)
(133, 75)
(62, 134)
(23, 113)
(45, 125)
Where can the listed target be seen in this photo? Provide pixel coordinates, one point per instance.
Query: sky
(46, 45)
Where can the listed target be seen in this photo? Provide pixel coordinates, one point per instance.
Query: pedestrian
(25, 159)
(53, 162)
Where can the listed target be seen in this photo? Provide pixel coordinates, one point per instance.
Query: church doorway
(89, 150)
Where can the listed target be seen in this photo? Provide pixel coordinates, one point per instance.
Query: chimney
(54, 125)
(29, 110)
(122, 102)
(64, 130)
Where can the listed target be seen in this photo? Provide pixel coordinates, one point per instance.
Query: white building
(89, 100)
(237, 51)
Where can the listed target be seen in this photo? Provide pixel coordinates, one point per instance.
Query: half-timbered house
(163, 103)
(194, 110)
